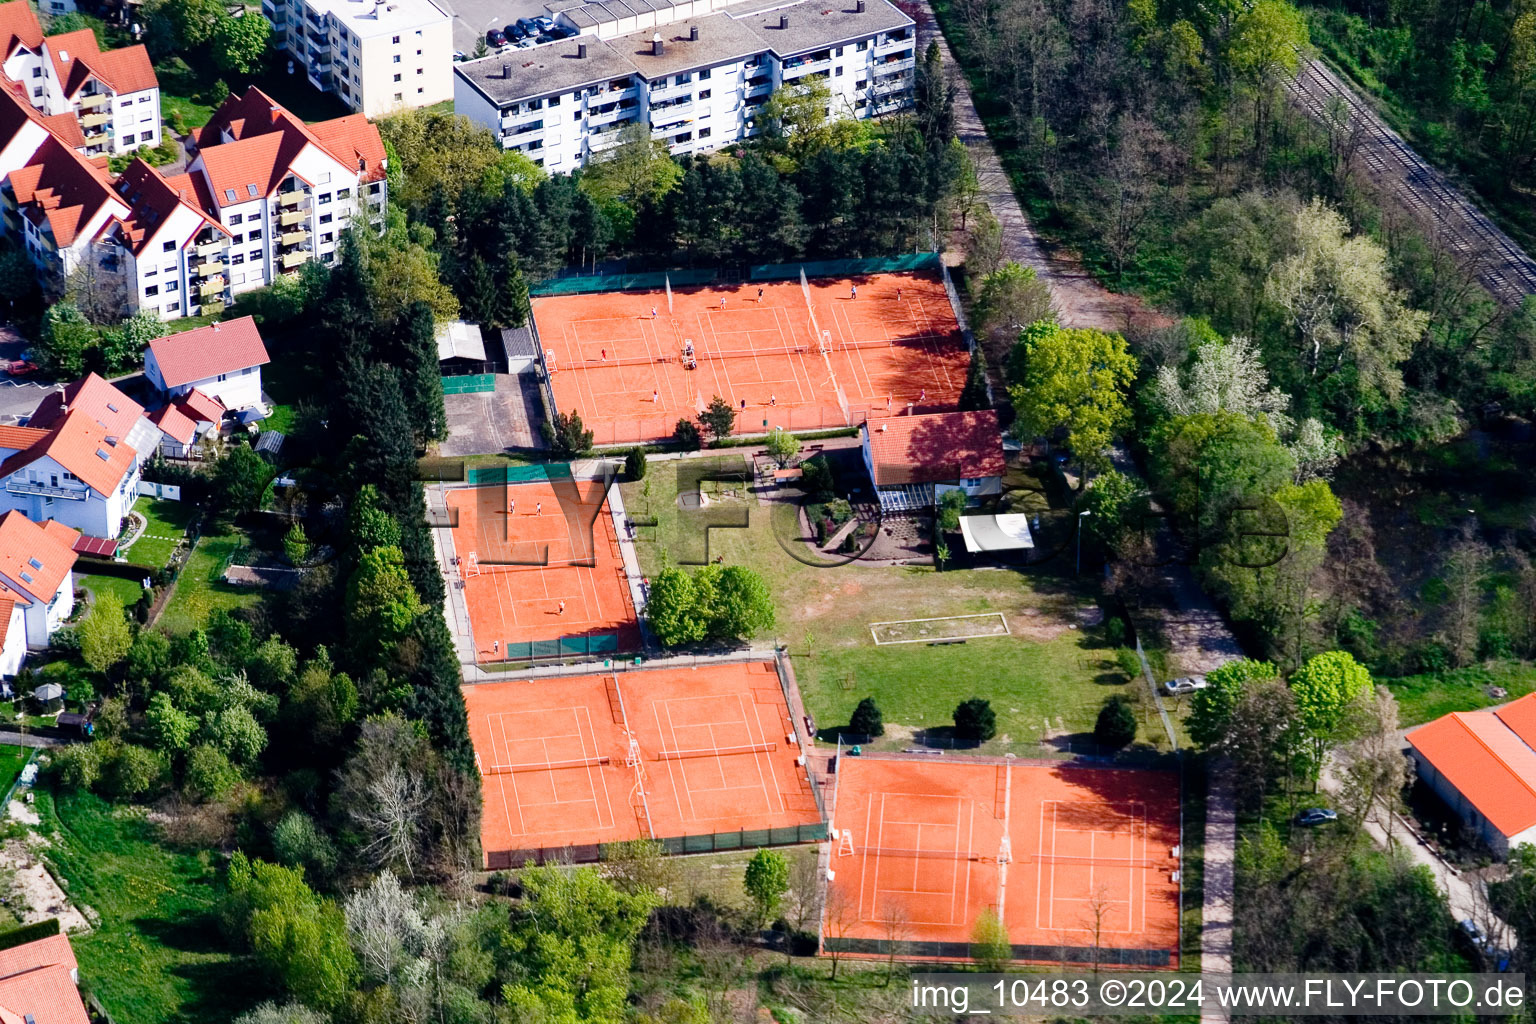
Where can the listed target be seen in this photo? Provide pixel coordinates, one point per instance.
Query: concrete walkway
(1220, 886)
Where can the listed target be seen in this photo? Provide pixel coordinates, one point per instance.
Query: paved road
(1441, 208)
(1220, 884)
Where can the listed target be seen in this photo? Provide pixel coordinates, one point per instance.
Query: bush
(1114, 630)
(1128, 662)
(867, 719)
(687, 435)
(816, 478)
(634, 463)
(951, 505)
(1116, 726)
(77, 766)
(975, 720)
(567, 437)
(65, 640)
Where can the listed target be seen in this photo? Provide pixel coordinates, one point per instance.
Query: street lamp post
(1079, 569)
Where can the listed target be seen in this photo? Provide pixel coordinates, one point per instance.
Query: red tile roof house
(37, 590)
(223, 361)
(79, 458)
(1483, 765)
(914, 459)
(39, 983)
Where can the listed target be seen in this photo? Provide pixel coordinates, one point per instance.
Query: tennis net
(1104, 862)
(889, 851)
(749, 748)
(544, 766)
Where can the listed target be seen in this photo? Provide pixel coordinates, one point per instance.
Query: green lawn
(12, 759)
(1051, 674)
(200, 589)
(127, 591)
(158, 955)
(168, 522)
(1423, 698)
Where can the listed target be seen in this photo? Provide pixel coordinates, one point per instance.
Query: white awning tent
(1009, 532)
(460, 340)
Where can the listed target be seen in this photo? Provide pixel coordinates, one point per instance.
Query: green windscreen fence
(470, 384)
(658, 279)
(509, 474)
(563, 647)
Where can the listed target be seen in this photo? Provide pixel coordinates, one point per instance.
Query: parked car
(514, 31)
(18, 367)
(528, 26)
(563, 31)
(459, 56)
(544, 22)
(1184, 684)
(495, 37)
(1316, 816)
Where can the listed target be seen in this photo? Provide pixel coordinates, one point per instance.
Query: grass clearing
(1423, 698)
(12, 760)
(166, 525)
(127, 591)
(1046, 680)
(158, 955)
(200, 589)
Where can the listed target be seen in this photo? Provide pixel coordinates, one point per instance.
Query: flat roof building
(693, 75)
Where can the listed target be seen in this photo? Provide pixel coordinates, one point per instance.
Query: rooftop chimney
(693, 33)
(858, 7)
(581, 51)
(506, 71)
(783, 21)
(657, 46)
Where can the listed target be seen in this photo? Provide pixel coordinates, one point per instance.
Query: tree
(1074, 379)
(795, 121)
(567, 437)
(209, 775)
(414, 352)
(867, 719)
(1007, 300)
(719, 419)
(240, 479)
(298, 843)
(935, 99)
(1328, 690)
(637, 171)
(105, 636)
(672, 609)
(1351, 328)
(62, 343)
(742, 606)
(975, 720)
(990, 946)
(950, 507)
(369, 525)
(1222, 377)
(287, 1013)
(130, 771)
(634, 463)
(296, 544)
(383, 791)
(984, 246)
(687, 436)
(766, 881)
(1262, 739)
(573, 936)
(1210, 709)
(1116, 725)
(816, 478)
(973, 398)
(300, 937)
(240, 44)
(122, 347)
(381, 603)
(1265, 49)
(100, 294)
(782, 446)
(172, 728)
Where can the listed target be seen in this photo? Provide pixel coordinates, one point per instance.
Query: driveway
(494, 421)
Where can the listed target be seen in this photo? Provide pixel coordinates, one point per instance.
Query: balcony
(214, 249)
(805, 68)
(757, 87)
(288, 218)
(294, 237)
(289, 260)
(291, 199)
(19, 486)
(671, 115)
(892, 45)
(94, 100)
(88, 121)
(668, 92)
(893, 84)
(894, 64)
(212, 286)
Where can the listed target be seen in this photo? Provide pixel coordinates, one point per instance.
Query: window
(575, 115)
(705, 93)
(420, 71)
(152, 272)
(255, 236)
(147, 137)
(327, 237)
(325, 198)
(419, 90)
(37, 72)
(145, 98)
(704, 75)
(172, 285)
(325, 218)
(235, 218)
(837, 71)
(396, 41)
(237, 259)
(173, 305)
(229, 195)
(554, 101)
(682, 79)
(862, 46)
(704, 133)
(168, 247)
(344, 193)
(397, 78)
(395, 59)
(398, 97)
(125, 104)
(37, 91)
(153, 289)
(238, 239)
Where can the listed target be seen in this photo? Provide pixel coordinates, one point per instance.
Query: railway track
(1500, 265)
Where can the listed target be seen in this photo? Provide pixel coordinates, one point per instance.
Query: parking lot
(472, 18)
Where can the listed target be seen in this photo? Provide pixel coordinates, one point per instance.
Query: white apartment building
(37, 588)
(695, 74)
(262, 195)
(97, 102)
(378, 56)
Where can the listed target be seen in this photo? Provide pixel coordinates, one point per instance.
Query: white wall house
(694, 74)
(37, 561)
(377, 57)
(913, 459)
(81, 461)
(1483, 765)
(111, 98)
(222, 360)
(13, 636)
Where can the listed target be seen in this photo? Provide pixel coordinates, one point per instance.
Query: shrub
(567, 437)
(867, 719)
(687, 435)
(1128, 662)
(816, 478)
(975, 720)
(77, 766)
(634, 463)
(1116, 725)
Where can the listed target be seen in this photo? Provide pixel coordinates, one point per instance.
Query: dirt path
(1082, 301)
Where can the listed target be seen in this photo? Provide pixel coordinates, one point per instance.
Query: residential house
(39, 983)
(1483, 765)
(377, 57)
(915, 459)
(37, 590)
(694, 74)
(222, 360)
(184, 422)
(111, 97)
(79, 459)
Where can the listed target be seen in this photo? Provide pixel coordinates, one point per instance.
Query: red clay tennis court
(701, 758)
(832, 362)
(1079, 862)
(540, 562)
